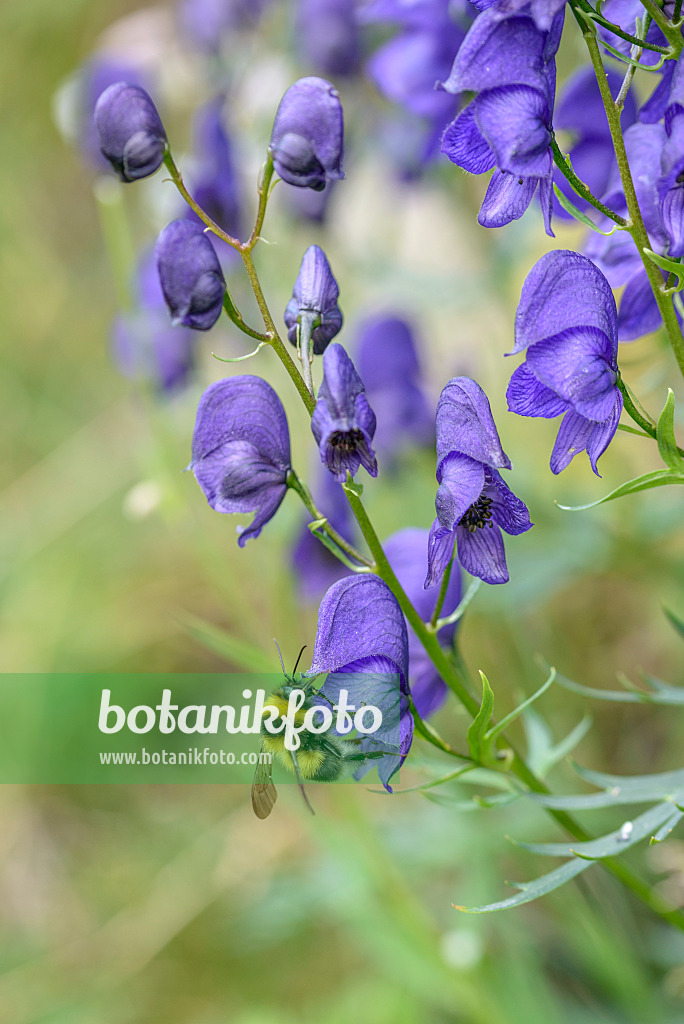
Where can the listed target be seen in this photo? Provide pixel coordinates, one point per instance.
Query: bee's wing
(300, 780)
(264, 793)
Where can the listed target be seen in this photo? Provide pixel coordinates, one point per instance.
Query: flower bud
(315, 293)
(130, 131)
(306, 142)
(190, 275)
(343, 422)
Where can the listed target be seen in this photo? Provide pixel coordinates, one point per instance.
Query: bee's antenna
(282, 664)
(299, 657)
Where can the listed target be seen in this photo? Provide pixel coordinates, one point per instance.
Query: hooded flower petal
(406, 552)
(241, 449)
(190, 275)
(516, 122)
(306, 141)
(564, 290)
(315, 292)
(465, 424)
(499, 51)
(576, 365)
(482, 554)
(130, 131)
(343, 422)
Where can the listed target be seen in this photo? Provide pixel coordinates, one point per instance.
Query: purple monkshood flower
(313, 305)
(101, 71)
(542, 12)
(579, 110)
(316, 567)
(567, 324)
(215, 184)
(509, 62)
(343, 422)
(143, 341)
(617, 256)
(207, 22)
(307, 137)
(406, 551)
(190, 275)
(131, 135)
(473, 503)
(387, 359)
(241, 449)
(327, 35)
(361, 641)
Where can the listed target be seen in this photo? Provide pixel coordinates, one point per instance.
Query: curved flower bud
(190, 275)
(241, 449)
(130, 131)
(567, 323)
(343, 422)
(362, 642)
(307, 137)
(315, 293)
(407, 553)
(465, 424)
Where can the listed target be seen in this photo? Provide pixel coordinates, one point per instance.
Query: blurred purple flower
(215, 185)
(388, 365)
(567, 324)
(407, 554)
(327, 35)
(144, 344)
(241, 449)
(343, 422)
(307, 137)
(313, 305)
(580, 110)
(190, 274)
(361, 641)
(473, 503)
(207, 22)
(315, 566)
(130, 131)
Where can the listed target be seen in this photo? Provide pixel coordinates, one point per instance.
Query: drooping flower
(509, 62)
(567, 324)
(145, 344)
(473, 502)
(190, 275)
(361, 641)
(130, 131)
(307, 137)
(241, 449)
(387, 358)
(315, 566)
(215, 183)
(327, 35)
(314, 299)
(407, 554)
(343, 422)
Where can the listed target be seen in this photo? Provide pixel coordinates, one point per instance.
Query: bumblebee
(320, 757)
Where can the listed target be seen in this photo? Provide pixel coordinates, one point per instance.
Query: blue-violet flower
(190, 275)
(130, 131)
(343, 422)
(307, 137)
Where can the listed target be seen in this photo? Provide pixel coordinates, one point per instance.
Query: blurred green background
(132, 904)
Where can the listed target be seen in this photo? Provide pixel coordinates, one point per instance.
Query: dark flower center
(478, 515)
(346, 440)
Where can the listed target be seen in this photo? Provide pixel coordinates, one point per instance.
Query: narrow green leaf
(662, 693)
(533, 890)
(238, 652)
(477, 731)
(612, 844)
(665, 829)
(665, 263)
(667, 443)
(658, 478)
(511, 716)
(459, 611)
(542, 754)
(675, 621)
(653, 786)
(570, 208)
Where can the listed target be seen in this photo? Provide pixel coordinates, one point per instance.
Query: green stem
(661, 21)
(264, 193)
(640, 416)
(204, 217)
(304, 493)
(583, 5)
(638, 229)
(579, 186)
